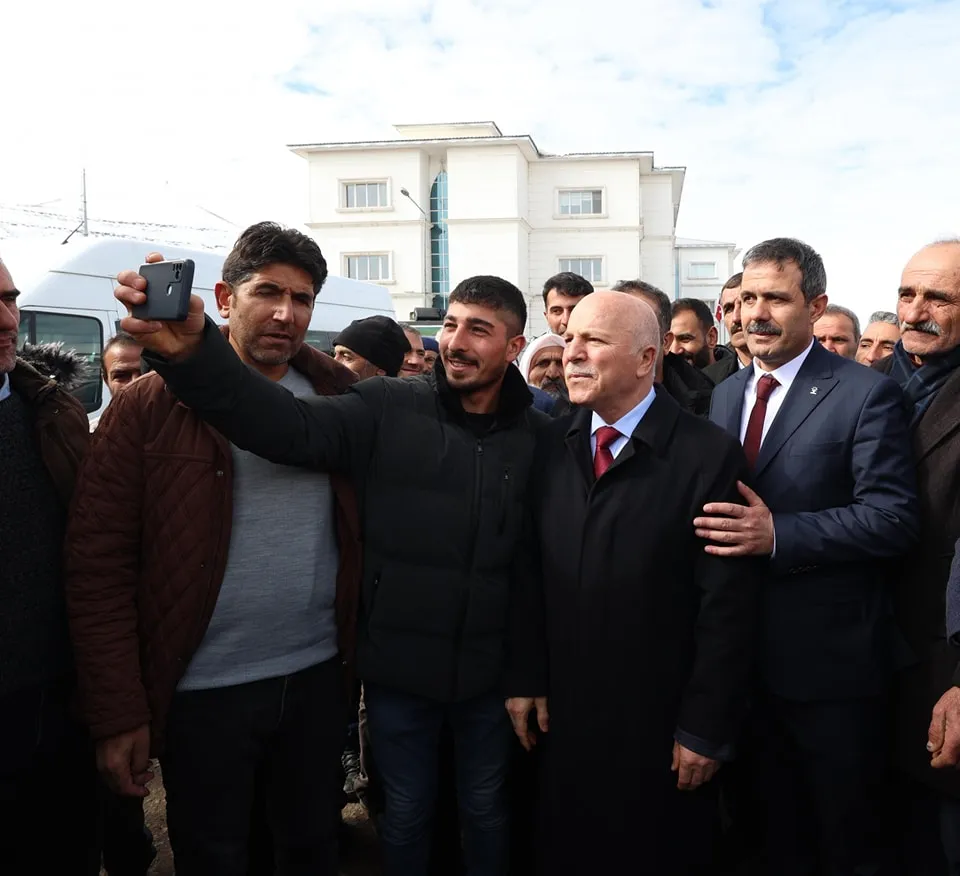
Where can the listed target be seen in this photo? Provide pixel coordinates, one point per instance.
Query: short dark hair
(120, 339)
(497, 294)
(663, 307)
(780, 250)
(734, 282)
(567, 283)
(837, 310)
(696, 306)
(268, 243)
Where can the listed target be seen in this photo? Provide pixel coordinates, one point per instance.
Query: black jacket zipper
(504, 500)
(475, 526)
(476, 506)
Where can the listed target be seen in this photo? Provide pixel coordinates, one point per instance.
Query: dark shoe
(354, 779)
(140, 868)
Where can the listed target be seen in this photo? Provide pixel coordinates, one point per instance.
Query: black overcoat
(644, 634)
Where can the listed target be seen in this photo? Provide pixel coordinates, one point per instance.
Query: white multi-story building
(445, 202)
(703, 266)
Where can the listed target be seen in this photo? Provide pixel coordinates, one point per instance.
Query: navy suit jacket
(836, 471)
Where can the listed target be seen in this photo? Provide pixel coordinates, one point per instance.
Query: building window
(371, 267)
(702, 271)
(364, 195)
(589, 268)
(439, 243)
(581, 202)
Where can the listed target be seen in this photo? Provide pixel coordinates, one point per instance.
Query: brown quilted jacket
(147, 547)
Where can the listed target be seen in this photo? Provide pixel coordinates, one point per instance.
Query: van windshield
(323, 341)
(82, 334)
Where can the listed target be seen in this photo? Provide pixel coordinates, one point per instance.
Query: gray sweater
(275, 612)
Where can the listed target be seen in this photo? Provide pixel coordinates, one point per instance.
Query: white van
(67, 296)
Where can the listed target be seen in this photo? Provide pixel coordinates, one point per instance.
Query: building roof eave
(524, 141)
(305, 149)
(696, 243)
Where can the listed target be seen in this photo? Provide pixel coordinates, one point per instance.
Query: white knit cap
(535, 346)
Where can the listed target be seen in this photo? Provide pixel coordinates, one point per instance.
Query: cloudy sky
(837, 121)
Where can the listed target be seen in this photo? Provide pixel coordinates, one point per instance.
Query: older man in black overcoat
(629, 632)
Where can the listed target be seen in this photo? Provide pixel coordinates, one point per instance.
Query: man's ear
(515, 347)
(712, 337)
(647, 361)
(668, 340)
(224, 295)
(817, 307)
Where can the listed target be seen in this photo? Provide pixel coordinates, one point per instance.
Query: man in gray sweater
(212, 594)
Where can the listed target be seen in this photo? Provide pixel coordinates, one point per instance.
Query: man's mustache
(928, 327)
(736, 328)
(757, 327)
(459, 357)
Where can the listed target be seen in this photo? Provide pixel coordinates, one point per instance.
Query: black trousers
(48, 786)
(811, 789)
(640, 823)
(127, 843)
(286, 732)
(927, 826)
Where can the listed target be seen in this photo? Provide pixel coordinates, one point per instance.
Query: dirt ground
(359, 854)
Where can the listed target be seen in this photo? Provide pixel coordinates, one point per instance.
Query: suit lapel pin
(813, 390)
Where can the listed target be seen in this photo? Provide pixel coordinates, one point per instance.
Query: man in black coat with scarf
(926, 363)
(630, 632)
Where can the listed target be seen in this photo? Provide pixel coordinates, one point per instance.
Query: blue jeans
(405, 734)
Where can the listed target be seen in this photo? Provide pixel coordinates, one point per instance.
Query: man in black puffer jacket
(435, 602)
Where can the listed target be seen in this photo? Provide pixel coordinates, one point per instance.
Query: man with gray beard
(542, 368)
(926, 363)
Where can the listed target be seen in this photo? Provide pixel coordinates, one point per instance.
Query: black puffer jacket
(441, 506)
(690, 388)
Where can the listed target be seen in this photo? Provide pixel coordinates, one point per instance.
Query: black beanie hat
(379, 340)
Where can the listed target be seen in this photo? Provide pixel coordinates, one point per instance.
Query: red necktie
(751, 441)
(603, 458)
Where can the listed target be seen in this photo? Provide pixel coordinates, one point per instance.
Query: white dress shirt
(5, 387)
(784, 375)
(625, 426)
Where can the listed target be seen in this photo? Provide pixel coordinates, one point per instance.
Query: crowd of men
(682, 607)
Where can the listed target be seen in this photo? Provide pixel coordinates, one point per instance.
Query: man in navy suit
(829, 446)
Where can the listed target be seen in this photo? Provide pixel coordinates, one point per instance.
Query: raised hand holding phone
(171, 338)
(169, 285)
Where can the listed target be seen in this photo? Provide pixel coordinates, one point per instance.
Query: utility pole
(86, 228)
(84, 225)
